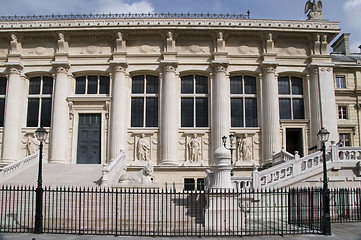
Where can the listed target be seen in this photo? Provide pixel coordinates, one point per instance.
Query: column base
(58, 161)
(168, 162)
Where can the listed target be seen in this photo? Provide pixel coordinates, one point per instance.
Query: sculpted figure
(194, 147)
(314, 9)
(245, 148)
(144, 176)
(31, 144)
(143, 149)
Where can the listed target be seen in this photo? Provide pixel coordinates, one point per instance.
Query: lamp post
(322, 136)
(231, 148)
(41, 135)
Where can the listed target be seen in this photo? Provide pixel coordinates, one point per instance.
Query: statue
(31, 144)
(144, 176)
(143, 149)
(314, 9)
(14, 44)
(245, 149)
(194, 147)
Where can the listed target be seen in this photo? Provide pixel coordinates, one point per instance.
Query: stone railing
(284, 156)
(19, 166)
(288, 168)
(111, 170)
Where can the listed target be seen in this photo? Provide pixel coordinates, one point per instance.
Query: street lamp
(231, 148)
(41, 135)
(322, 136)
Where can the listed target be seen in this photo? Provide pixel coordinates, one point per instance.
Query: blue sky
(347, 12)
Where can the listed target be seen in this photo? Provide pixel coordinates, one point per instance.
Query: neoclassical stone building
(165, 88)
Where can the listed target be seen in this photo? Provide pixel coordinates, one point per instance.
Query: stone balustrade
(110, 170)
(18, 166)
(284, 156)
(349, 153)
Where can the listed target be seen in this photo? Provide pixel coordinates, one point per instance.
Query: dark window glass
(138, 84)
(189, 184)
(250, 85)
(187, 112)
(47, 85)
(251, 112)
(151, 112)
(104, 85)
(152, 84)
(33, 112)
(200, 184)
(298, 109)
(283, 85)
(92, 84)
(3, 81)
(285, 108)
(34, 85)
(201, 112)
(80, 85)
(297, 87)
(2, 110)
(45, 112)
(137, 112)
(236, 112)
(236, 85)
(201, 84)
(187, 84)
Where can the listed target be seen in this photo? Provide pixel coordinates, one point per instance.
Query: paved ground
(344, 231)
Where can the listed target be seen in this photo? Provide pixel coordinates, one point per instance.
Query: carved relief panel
(193, 149)
(142, 148)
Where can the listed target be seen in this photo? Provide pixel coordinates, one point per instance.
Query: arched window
(144, 104)
(243, 91)
(39, 101)
(194, 101)
(290, 90)
(92, 84)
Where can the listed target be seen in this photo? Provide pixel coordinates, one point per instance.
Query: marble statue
(314, 9)
(143, 148)
(245, 149)
(194, 148)
(144, 176)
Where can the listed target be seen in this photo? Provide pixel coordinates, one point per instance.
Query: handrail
(18, 166)
(110, 170)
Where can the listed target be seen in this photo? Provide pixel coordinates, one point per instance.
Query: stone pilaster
(220, 122)
(59, 137)
(120, 111)
(169, 114)
(14, 107)
(315, 118)
(271, 141)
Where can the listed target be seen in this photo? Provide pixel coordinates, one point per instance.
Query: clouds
(119, 6)
(352, 11)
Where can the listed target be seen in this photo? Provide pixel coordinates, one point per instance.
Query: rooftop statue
(314, 9)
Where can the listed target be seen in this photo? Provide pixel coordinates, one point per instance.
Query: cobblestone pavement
(344, 231)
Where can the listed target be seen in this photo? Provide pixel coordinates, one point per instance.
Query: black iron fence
(154, 212)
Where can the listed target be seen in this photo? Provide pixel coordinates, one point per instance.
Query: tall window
(144, 101)
(3, 83)
(194, 101)
(39, 101)
(346, 139)
(92, 84)
(243, 101)
(342, 112)
(340, 82)
(291, 102)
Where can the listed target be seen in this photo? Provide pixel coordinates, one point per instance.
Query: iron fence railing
(159, 212)
(124, 16)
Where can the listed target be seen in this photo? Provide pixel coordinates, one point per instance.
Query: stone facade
(222, 54)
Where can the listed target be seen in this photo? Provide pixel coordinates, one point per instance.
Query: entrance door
(88, 151)
(294, 140)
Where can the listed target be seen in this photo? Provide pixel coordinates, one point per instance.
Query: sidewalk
(340, 231)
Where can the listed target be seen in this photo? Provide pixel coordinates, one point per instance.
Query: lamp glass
(323, 135)
(238, 139)
(41, 134)
(224, 139)
(231, 137)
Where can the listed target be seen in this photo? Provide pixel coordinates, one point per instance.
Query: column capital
(269, 67)
(119, 65)
(14, 67)
(61, 67)
(169, 65)
(220, 66)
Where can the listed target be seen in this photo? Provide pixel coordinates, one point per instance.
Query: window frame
(292, 97)
(342, 84)
(243, 96)
(145, 96)
(342, 112)
(40, 97)
(194, 95)
(347, 142)
(3, 99)
(98, 86)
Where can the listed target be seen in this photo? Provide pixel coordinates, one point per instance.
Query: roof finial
(314, 9)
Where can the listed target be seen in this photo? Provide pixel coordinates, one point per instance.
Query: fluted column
(271, 141)
(169, 115)
(315, 111)
(59, 141)
(14, 110)
(120, 112)
(220, 122)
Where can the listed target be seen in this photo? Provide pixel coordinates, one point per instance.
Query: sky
(346, 12)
